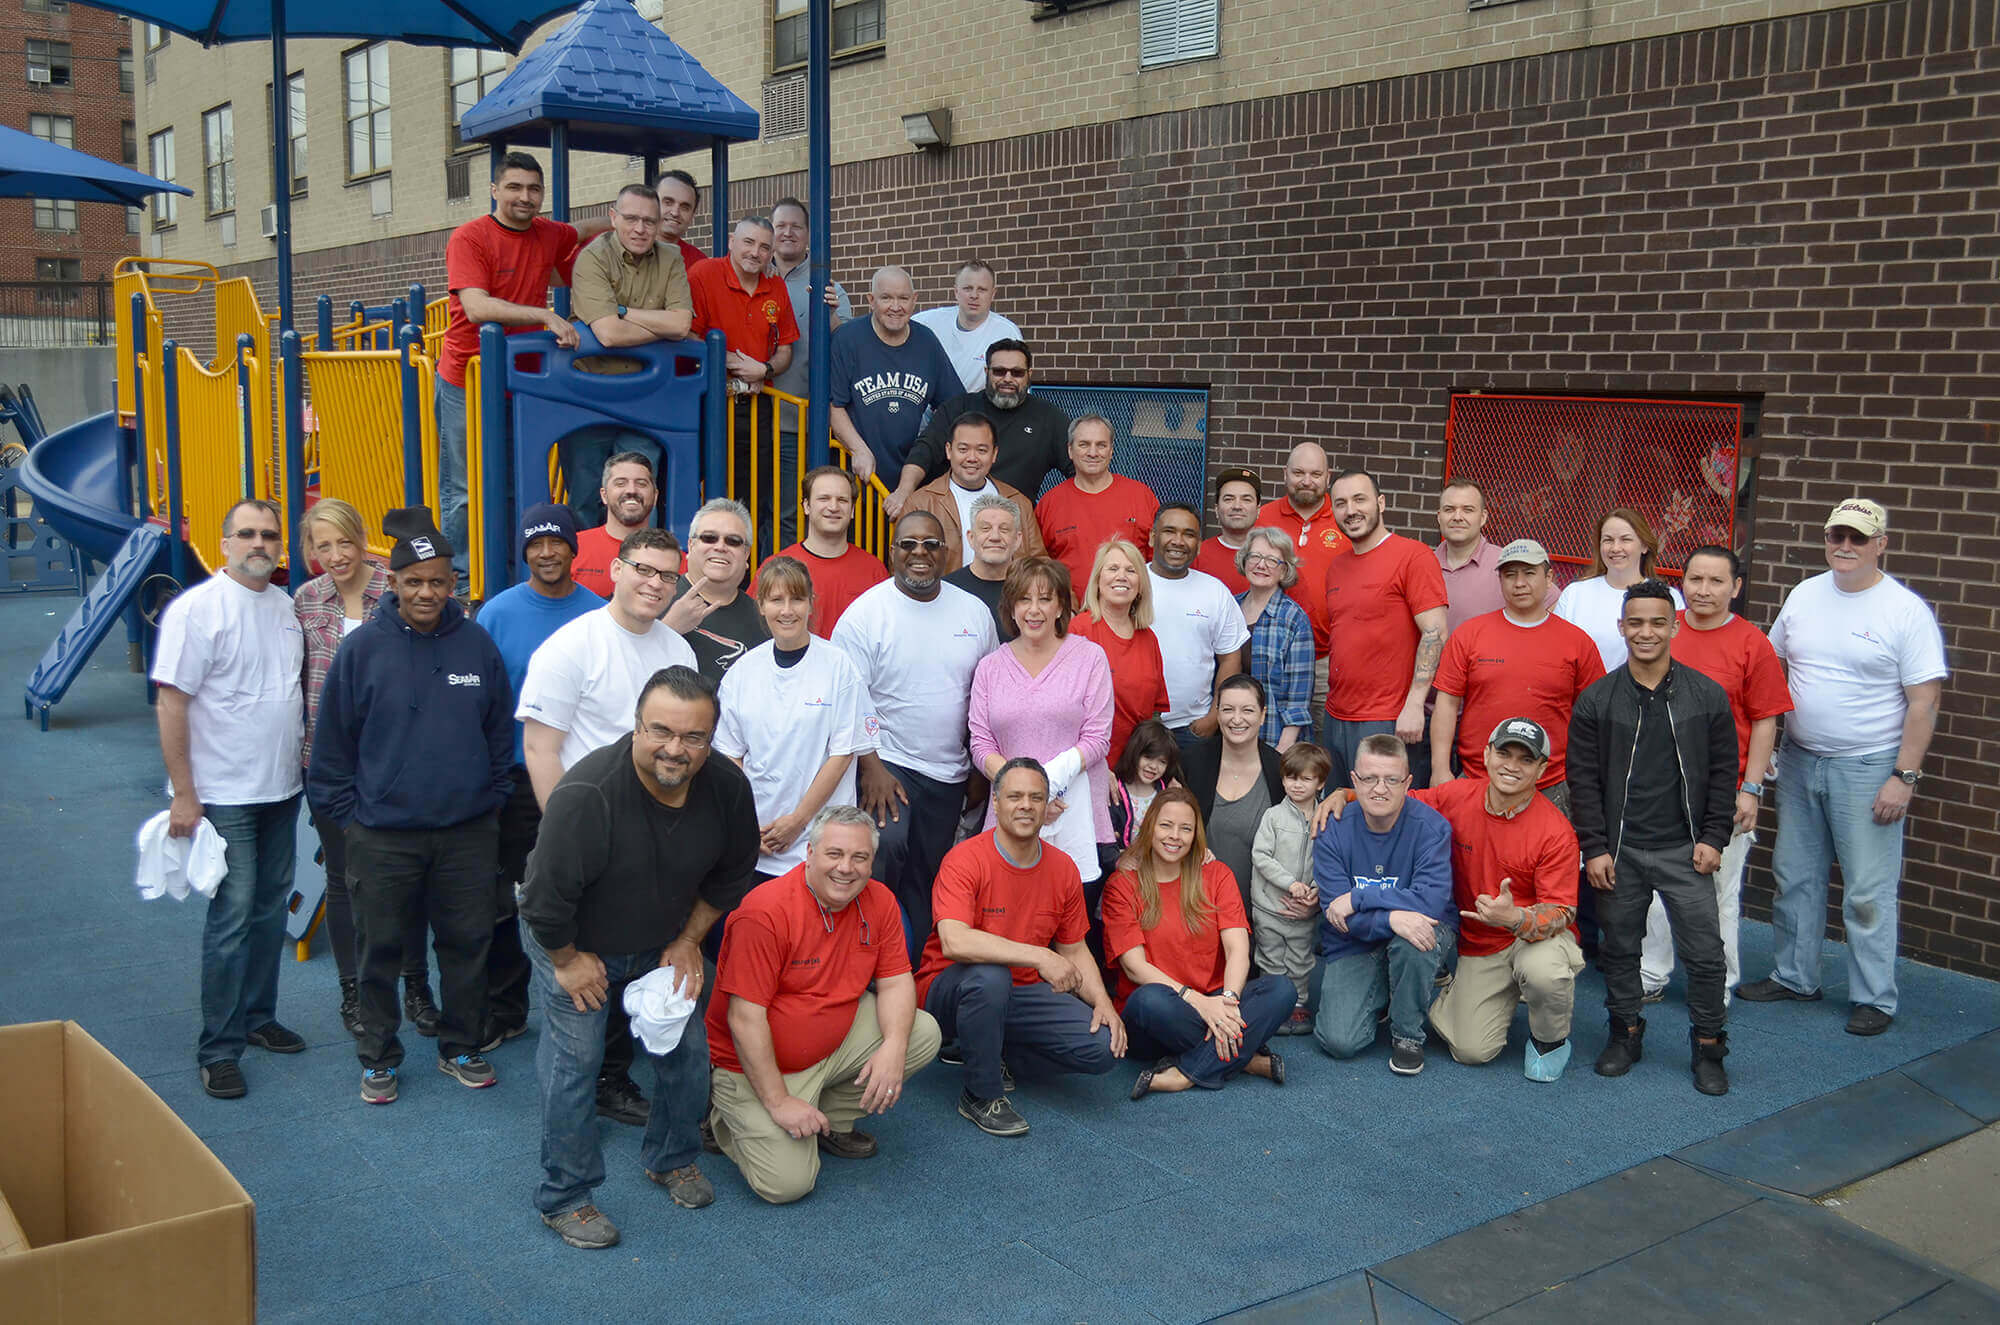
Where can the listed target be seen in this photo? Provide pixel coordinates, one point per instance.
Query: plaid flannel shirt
(1281, 656)
(321, 618)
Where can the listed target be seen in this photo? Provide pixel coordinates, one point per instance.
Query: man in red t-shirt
(629, 495)
(801, 1048)
(1078, 515)
(1522, 660)
(679, 198)
(1006, 971)
(1736, 656)
(1385, 606)
(1237, 497)
(499, 268)
(841, 572)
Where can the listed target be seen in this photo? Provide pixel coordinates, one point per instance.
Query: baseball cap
(1525, 732)
(1861, 515)
(548, 518)
(1526, 551)
(1238, 475)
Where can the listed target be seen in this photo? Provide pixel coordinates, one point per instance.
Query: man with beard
(950, 497)
(1030, 434)
(885, 372)
(719, 621)
(232, 717)
(1305, 513)
(916, 641)
(645, 844)
(1385, 611)
(1078, 516)
(1199, 624)
(1237, 496)
(628, 495)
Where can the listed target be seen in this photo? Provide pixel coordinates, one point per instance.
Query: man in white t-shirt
(232, 721)
(1864, 660)
(970, 453)
(1199, 623)
(966, 326)
(580, 694)
(916, 641)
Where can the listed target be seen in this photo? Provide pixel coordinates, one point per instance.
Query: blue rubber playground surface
(1347, 1194)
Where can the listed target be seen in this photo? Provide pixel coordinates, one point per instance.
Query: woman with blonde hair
(1117, 617)
(1626, 546)
(1175, 927)
(330, 606)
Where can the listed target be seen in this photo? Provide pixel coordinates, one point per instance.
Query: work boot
(420, 1009)
(1709, 1076)
(350, 1008)
(1623, 1050)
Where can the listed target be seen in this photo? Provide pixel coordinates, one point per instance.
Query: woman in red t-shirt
(1118, 617)
(1176, 928)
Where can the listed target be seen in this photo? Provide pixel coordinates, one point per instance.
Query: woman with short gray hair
(1280, 650)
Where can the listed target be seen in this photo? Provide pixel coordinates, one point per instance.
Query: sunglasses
(727, 540)
(919, 544)
(1008, 372)
(1835, 537)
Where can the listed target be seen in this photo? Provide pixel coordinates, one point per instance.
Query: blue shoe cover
(1546, 1067)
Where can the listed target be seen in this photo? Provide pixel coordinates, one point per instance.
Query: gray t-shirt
(1232, 829)
(798, 284)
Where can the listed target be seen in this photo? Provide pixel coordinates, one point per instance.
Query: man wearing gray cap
(1865, 662)
(1521, 660)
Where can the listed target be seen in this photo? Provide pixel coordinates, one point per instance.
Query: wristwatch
(1752, 789)
(1232, 996)
(1910, 776)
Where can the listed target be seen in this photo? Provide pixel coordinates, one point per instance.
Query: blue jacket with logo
(416, 730)
(1407, 868)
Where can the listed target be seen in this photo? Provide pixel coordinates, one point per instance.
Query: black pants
(445, 874)
(1690, 903)
(508, 973)
(340, 932)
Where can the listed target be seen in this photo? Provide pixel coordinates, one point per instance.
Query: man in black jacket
(1652, 775)
(1030, 433)
(413, 758)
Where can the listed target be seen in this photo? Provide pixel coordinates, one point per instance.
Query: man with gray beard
(1032, 434)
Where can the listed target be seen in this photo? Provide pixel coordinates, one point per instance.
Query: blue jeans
(244, 932)
(566, 1063)
(452, 478)
(991, 1017)
(1355, 988)
(914, 844)
(1161, 1024)
(1824, 814)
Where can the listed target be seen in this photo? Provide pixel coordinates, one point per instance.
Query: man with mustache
(1030, 433)
(232, 719)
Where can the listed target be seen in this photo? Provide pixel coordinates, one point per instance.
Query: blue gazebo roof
(620, 84)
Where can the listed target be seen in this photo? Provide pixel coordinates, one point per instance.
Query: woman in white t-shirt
(1626, 546)
(792, 717)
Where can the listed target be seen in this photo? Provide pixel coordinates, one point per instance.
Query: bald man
(886, 372)
(1305, 513)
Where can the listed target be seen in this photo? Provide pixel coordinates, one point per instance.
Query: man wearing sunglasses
(1030, 433)
(720, 622)
(1865, 664)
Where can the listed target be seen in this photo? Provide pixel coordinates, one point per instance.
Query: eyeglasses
(1835, 537)
(1380, 779)
(645, 572)
(1263, 559)
(710, 537)
(643, 222)
(259, 535)
(826, 918)
(1007, 372)
(919, 544)
(668, 736)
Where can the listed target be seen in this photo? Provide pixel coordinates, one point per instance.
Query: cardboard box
(126, 1214)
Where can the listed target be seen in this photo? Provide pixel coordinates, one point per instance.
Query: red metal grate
(1552, 465)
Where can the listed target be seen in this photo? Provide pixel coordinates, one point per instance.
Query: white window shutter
(1175, 30)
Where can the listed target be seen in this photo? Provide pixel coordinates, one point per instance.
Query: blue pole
(295, 450)
(494, 460)
(399, 314)
(171, 385)
(419, 305)
(408, 340)
(559, 193)
(323, 312)
(281, 161)
(715, 418)
(244, 344)
(718, 197)
(819, 197)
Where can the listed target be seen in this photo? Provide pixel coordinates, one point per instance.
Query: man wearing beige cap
(1864, 660)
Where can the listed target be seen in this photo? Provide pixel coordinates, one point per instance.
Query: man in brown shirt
(630, 290)
(970, 453)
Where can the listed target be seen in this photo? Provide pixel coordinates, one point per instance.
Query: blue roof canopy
(33, 168)
(620, 84)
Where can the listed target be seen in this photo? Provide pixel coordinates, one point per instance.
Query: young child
(1281, 859)
(1150, 764)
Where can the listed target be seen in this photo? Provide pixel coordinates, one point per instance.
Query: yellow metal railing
(211, 452)
(437, 316)
(786, 415)
(358, 401)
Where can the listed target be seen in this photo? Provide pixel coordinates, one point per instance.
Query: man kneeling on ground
(801, 1048)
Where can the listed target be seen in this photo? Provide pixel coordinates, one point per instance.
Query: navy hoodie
(416, 730)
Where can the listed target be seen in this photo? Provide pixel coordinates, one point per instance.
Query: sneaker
(1770, 991)
(1545, 1067)
(420, 1010)
(275, 1039)
(224, 1080)
(1653, 995)
(1710, 1078)
(496, 1035)
(468, 1070)
(350, 1008)
(1623, 1049)
(1299, 1023)
(689, 1187)
(1867, 1019)
(378, 1085)
(621, 1102)
(854, 1144)
(993, 1117)
(950, 1054)
(1406, 1057)
(584, 1227)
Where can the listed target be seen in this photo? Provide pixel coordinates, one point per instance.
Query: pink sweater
(1069, 704)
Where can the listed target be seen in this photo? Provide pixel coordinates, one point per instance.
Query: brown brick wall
(1800, 211)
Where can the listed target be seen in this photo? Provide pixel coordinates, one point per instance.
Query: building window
(58, 269)
(858, 25)
(160, 153)
(46, 6)
(54, 214)
(295, 89)
(1171, 31)
(474, 73)
(218, 158)
(129, 146)
(125, 72)
(367, 110)
(457, 178)
(48, 63)
(133, 216)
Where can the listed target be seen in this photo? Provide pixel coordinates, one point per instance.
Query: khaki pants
(1473, 1012)
(780, 1167)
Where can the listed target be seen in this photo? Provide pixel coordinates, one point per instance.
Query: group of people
(1061, 783)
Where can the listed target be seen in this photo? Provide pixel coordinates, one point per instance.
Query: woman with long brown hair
(1174, 924)
(1626, 546)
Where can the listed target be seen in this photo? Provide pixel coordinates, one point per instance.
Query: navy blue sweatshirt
(416, 730)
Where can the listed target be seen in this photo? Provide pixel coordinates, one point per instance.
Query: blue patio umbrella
(32, 167)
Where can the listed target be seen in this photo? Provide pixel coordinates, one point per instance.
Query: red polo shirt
(1193, 959)
(1319, 541)
(1041, 905)
(755, 322)
(514, 265)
